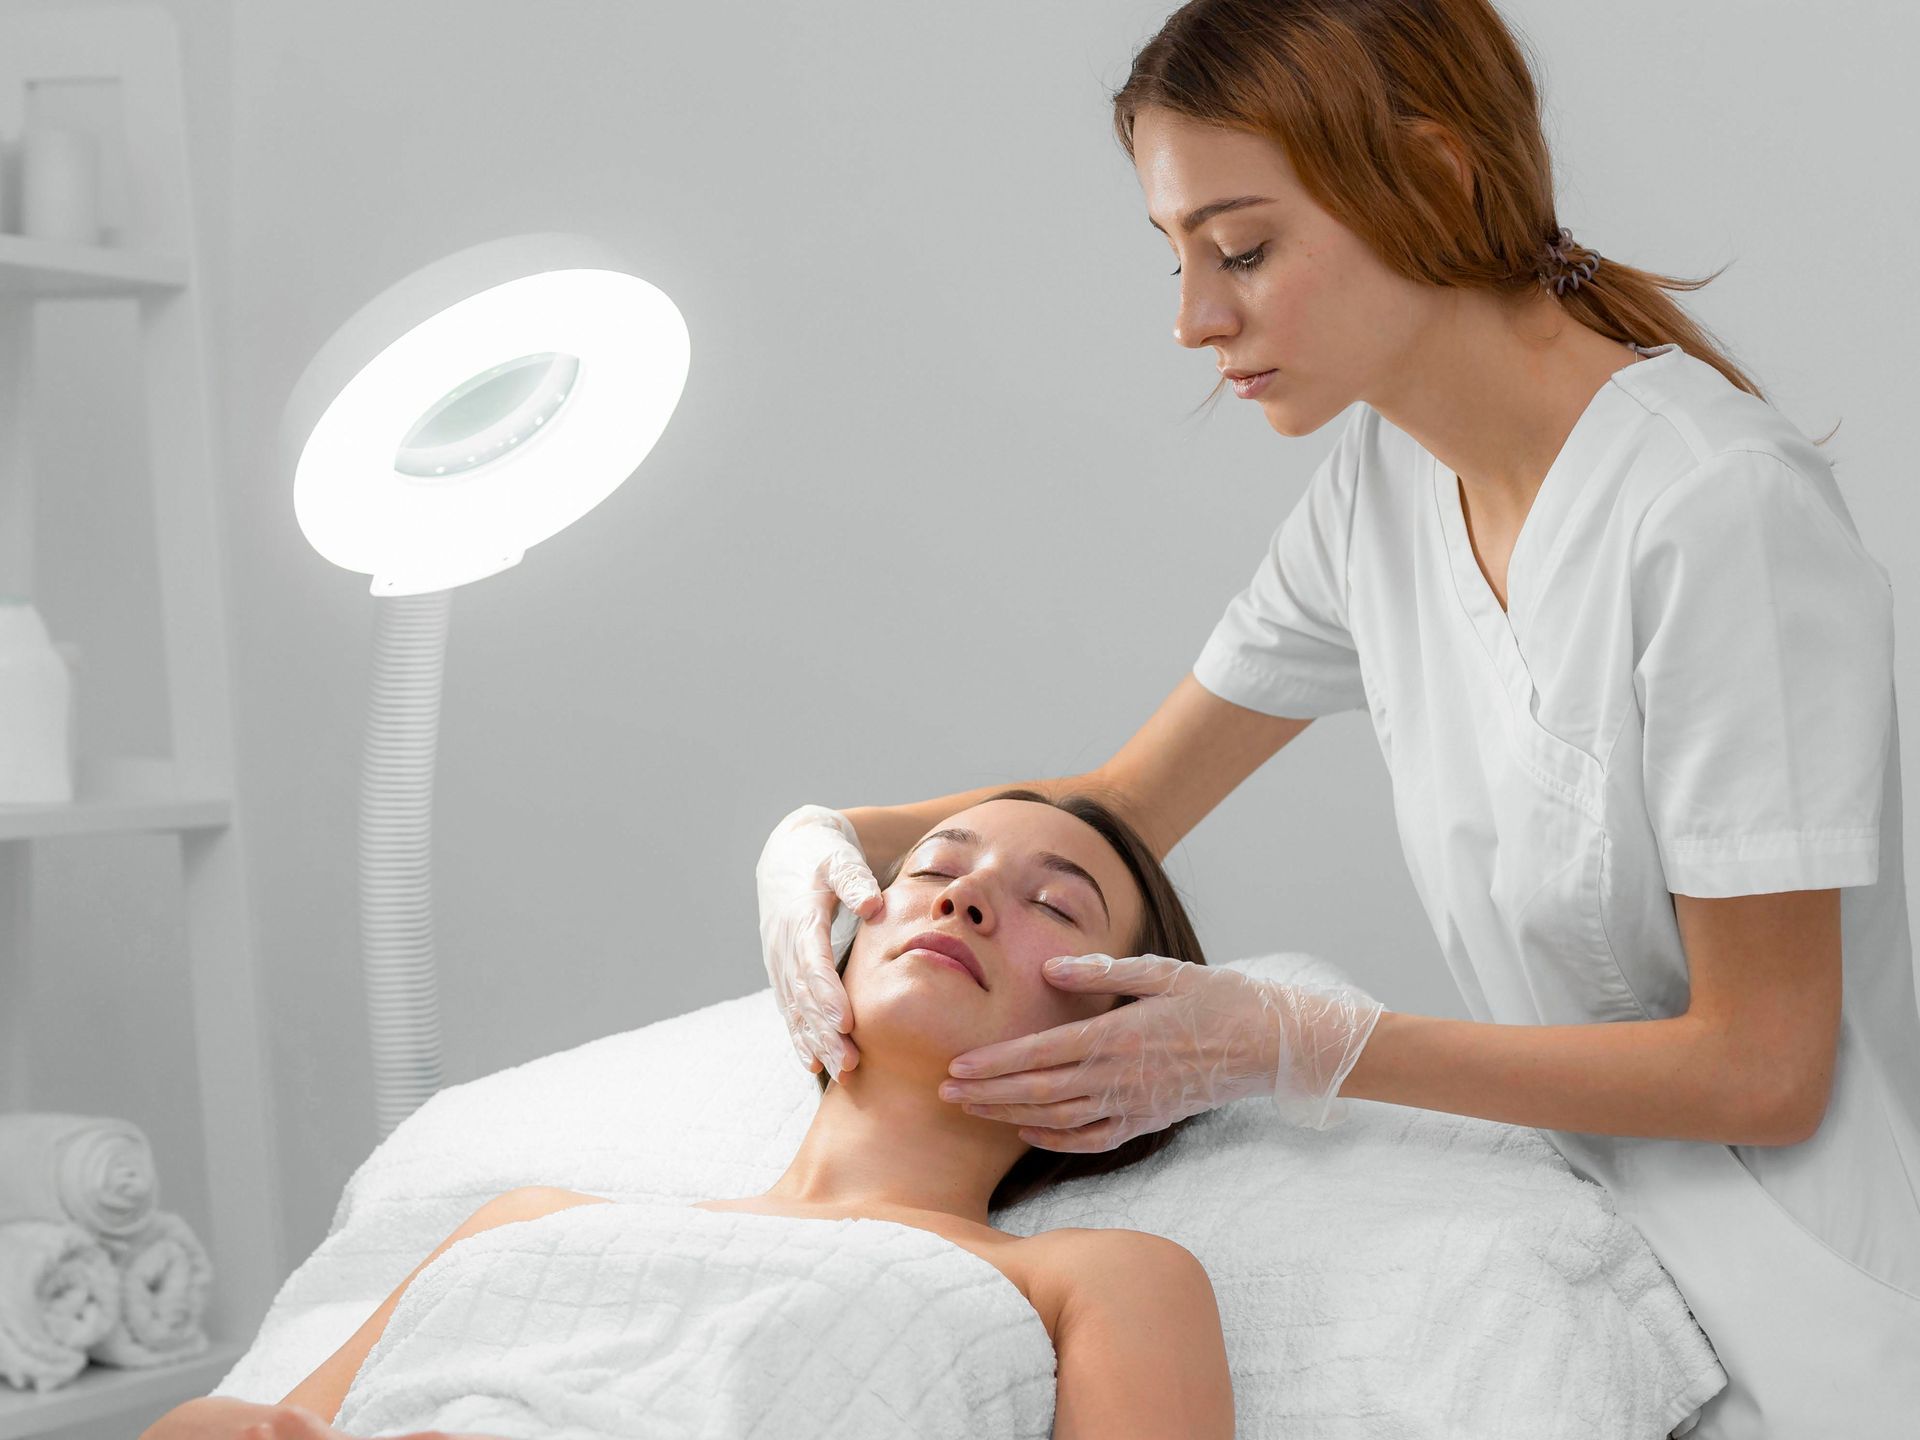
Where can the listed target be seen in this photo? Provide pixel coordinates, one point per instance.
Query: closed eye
(1238, 262)
(1041, 903)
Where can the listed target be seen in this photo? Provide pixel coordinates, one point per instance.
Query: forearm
(886, 831)
(1661, 1079)
(207, 1415)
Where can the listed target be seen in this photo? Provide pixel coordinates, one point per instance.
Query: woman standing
(1630, 667)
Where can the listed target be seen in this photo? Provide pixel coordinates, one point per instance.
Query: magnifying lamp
(458, 418)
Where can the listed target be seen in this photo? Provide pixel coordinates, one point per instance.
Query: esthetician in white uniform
(1631, 669)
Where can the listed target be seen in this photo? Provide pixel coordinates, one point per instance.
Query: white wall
(935, 436)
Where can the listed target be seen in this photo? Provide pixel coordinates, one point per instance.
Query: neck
(883, 1139)
(1492, 390)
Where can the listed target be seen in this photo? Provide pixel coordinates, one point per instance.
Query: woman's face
(1012, 896)
(1307, 298)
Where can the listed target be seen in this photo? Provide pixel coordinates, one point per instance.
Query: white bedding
(1406, 1274)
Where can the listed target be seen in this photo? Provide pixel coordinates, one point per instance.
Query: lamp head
(477, 407)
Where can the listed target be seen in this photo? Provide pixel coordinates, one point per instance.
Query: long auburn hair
(1165, 929)
(1352, 91)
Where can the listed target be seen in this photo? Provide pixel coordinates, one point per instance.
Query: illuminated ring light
(479, 406)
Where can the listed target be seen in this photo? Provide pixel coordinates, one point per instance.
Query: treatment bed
(1406, 1274)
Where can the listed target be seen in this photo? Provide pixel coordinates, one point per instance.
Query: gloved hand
(1198, 1038)
(811, 863)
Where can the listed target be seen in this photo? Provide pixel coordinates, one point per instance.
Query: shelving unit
(189, 795)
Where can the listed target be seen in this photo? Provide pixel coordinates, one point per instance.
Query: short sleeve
(1763, 667)
(1283, 646)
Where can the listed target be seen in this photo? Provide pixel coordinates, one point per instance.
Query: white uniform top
(1691, 690)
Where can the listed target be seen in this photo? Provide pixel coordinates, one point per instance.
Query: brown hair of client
(1164, 930)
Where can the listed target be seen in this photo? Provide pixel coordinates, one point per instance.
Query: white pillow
(1407, 1273)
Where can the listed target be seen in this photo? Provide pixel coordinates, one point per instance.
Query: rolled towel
(164, 1279)
(94, 1173)
(59, 1293)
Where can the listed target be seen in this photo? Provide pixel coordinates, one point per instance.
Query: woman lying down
(929, 1341)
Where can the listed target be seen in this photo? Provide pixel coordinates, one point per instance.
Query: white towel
(616, 1322)
(96, 1173)
(164, 1278)
(58, 1294)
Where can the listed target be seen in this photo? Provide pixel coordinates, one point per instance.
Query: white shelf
(120, 794)
(49, 269)
(186, 797)
(100, 1391)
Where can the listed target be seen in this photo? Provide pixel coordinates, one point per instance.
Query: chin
(1288, 422)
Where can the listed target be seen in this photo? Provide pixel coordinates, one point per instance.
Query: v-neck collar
(1600, 428)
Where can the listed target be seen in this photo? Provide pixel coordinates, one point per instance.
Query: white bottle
(36, 710)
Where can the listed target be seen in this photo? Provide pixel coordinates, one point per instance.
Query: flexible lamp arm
(454, 421)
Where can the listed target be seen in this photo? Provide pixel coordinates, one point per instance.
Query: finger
(1066, 1114)
(826, 993)
(1060, 1085)
(852, 880)
(816, 1034)
(1101, 1135)
(830, 1026)
(793, 1016)
(827, 1048)
(831, 1051)
(804, 1041)
(800, 1050)
(1109, 975)
(1062, 1045)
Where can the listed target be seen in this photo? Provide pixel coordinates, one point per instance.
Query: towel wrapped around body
(59, 1294)
(605, 1322)
(96, 1173)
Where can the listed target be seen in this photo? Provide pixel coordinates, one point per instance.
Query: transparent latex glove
(811, 863)
(1198, 1037)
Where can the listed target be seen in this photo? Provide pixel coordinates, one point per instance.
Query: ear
(1450, 150)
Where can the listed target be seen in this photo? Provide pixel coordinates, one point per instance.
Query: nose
(966, 894)
(1200, 320)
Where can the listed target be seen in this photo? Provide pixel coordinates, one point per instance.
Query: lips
(948, 946)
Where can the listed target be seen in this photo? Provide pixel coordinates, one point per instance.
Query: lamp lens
(488, 415)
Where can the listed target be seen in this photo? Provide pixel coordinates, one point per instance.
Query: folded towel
(94, 1173)
(164, 1278)
(58, 1294)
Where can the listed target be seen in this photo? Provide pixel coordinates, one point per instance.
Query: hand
(292, 1422)
(811, 863)
(212, 1417)
(1198, 1038)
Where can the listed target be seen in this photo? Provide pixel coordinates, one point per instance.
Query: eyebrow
(1207, 212)
(1048, 860)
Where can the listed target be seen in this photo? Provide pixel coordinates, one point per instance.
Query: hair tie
(1558, 268)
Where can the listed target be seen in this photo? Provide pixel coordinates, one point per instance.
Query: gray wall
(936, 435)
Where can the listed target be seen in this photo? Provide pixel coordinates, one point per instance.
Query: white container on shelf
(60, 185)
(36, 710)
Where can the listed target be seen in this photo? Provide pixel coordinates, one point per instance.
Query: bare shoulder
(1077, 1269)
(1093, 1252)
(1138, 1336)
(528, 1202)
